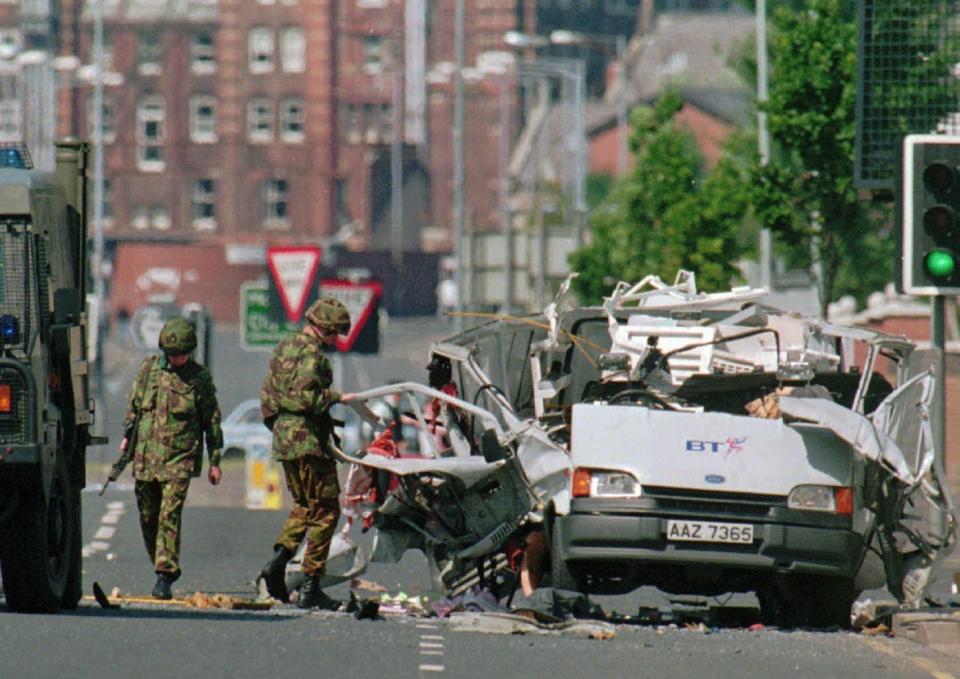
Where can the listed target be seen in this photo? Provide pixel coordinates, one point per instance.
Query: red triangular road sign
(359, 298)
(293, 270)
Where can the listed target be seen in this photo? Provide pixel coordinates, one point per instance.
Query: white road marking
(430, 644)
(431, 636)
(431, 668)
(431, 652)
(105, 531)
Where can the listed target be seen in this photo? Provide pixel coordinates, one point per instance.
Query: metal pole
(622, 105)
(505, 193)
(541, 222)
(458, 169)
(396, 164)
(580, 188)
(938, 341)
(763, 135)
(97, 264)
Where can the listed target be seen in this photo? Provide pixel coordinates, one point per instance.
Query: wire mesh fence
(908, 80)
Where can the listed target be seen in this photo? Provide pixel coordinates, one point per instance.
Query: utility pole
(458, 169)
(506, 216)
(396, 164)
(763, 136)
(97, 264)
(622, 105)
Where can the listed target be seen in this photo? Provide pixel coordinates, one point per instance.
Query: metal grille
(18, 300)
(735, 504)
(907, 80)
(13, 426)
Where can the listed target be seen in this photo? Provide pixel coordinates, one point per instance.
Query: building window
(203, 54)
(274, 196)
(372, 53)
(260, 121)
(10, 42)
(159, 218)
(107, 205)
(260, 50)
(204, 208)
(292, 120)
(108, 121)
(140, 218)
(203, 119)
(293, 49)
(354, 124)
(386, 123)
(11, 120)
(149, 53)
(151, 116)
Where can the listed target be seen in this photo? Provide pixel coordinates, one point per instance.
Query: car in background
(243, 424)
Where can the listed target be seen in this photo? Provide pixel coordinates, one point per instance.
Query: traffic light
(930, 215)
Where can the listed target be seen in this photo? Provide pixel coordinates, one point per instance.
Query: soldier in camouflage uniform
(173, 405)
(295, 403)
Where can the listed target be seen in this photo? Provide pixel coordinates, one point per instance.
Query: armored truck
(46, 410)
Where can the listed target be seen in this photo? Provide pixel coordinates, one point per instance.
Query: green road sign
(257, 331)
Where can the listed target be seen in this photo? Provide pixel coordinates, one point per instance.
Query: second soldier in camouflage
(173, 404)
(295, 403)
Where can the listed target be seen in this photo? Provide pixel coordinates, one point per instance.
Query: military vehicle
(45, 407)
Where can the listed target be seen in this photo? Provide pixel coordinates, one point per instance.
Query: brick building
(218, 117)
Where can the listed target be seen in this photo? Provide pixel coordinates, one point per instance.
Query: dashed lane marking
(105, 531)
(431, 645)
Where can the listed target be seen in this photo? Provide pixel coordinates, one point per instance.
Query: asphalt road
(223, 549)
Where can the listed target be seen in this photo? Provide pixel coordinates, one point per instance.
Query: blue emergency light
(9, 329)
(11, 157)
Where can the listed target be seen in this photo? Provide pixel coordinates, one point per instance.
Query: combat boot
(162, 590)
(274, 573)
(311, 596)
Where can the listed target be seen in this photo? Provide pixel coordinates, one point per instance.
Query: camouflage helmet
(178, 337)
(329, 314)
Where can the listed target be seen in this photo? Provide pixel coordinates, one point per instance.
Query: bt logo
(728, 446)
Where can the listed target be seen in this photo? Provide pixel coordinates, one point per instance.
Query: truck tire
(73, 590)
(38, 557)
(561, 577)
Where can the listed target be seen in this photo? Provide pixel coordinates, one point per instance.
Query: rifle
(121, 463)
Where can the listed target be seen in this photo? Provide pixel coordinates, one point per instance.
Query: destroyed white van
(699, 443)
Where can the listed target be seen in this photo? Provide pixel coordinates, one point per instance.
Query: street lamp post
(603, 43)
(459, 213)
(574, 72)
(97, 255)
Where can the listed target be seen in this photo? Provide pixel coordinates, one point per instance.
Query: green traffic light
(940, 263)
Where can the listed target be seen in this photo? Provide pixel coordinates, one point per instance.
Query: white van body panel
(708, 451)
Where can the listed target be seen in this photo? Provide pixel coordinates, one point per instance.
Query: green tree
(806, 193)
(666, 214)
